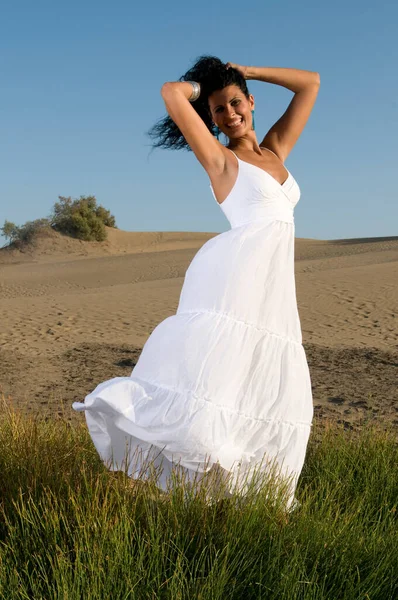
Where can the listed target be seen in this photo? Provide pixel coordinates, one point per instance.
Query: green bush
(79, 218)
(82, 218)
(105, 216)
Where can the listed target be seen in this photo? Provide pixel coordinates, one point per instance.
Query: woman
(224, 382)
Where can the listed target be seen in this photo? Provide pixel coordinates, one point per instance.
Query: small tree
(10, 231)
(25, 232)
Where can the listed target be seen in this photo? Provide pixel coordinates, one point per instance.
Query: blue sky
(80, 86)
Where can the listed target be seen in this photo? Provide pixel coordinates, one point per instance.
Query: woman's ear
(251, 100)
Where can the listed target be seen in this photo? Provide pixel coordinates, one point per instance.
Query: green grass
(71, 530)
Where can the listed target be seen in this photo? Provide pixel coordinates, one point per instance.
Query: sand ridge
(52, 246)
(66, 303)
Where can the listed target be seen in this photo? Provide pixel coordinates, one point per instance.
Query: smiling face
(231, 111)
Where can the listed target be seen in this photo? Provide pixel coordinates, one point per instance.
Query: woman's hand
(242, 70)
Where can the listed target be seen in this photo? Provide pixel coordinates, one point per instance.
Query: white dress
(224, 380)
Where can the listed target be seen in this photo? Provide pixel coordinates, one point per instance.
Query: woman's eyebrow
(234, 98)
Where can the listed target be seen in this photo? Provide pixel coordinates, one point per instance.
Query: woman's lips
(235, 126)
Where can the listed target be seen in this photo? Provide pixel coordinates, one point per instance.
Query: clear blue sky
(80, 86)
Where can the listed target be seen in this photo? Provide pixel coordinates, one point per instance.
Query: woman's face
(231, 111)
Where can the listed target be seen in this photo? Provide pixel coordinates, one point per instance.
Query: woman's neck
(245, 145)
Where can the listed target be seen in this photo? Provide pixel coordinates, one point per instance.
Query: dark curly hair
(212, 75)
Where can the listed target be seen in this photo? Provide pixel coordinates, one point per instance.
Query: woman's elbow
(166, 88)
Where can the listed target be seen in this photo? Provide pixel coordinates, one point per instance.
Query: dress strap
(233, 153)
(270, 151)
(260, 147)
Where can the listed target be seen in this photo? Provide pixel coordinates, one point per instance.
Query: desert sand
(76, 313)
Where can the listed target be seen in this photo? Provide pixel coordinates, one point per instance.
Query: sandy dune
(74, 313)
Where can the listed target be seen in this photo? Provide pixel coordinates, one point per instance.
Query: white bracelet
(195, 91)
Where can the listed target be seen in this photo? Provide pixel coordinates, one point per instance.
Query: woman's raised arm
(206, 147)
(284, 134)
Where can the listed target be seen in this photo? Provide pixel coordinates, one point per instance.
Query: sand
(76, 313)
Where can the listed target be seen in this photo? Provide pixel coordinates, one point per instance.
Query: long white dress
(225, 380)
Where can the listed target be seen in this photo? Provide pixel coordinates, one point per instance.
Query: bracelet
(195, 91)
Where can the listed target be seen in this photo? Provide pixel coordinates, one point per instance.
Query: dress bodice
(257, 196)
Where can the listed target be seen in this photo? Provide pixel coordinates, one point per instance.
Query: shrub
(80, 218)
(105, 216)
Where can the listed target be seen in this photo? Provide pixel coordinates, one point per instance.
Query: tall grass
(70, 529)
